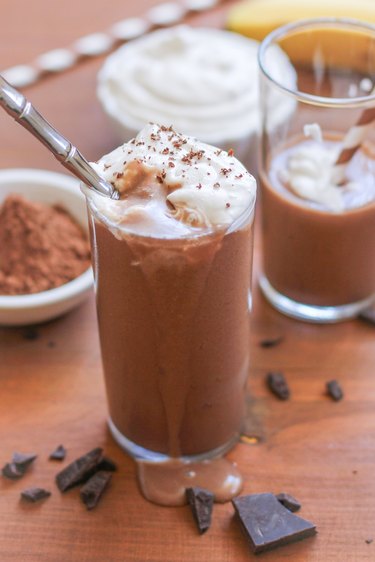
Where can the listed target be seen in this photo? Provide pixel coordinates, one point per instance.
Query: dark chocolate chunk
(277, 384)
(368, 315)
(79, 470)
(268, 524)
(107, 464)
(23, 460)
(334, 390)
(10, 470)
(92, 491)
(35, 494)
(31, 333)
(201, 502)
(271, 342)
(289, 502)
(58, 454)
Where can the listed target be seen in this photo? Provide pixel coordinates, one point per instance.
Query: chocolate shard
(23, 460)
(79, 470)
(92, 491)
(289, 502)
(277, 384)
(58, 454)
(107, 464)
(201, 502)
(35, 494)
(271, 342)
(11, 471)
(268, 524)
(334, 390)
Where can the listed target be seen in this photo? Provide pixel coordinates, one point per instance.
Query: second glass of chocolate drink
(172, 263)
(318, 171)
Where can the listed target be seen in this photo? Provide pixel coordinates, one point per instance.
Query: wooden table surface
(51, 388)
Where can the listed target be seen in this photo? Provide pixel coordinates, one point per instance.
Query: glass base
(140, 453)
(312, 313)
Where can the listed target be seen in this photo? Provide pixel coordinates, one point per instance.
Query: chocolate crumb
(369, 541)
(58, 454)
(31, 333)
(93, 490)
(289, 502)
(334, 390)
(271, 342)
(278, 385)
(201, 502)
(79, 470)
(227, 205)
(35, 494)
(11, 471)
(23, 460)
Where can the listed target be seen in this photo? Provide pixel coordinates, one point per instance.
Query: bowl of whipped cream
(204, 82)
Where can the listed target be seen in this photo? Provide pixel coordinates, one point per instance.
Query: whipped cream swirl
(202, 81)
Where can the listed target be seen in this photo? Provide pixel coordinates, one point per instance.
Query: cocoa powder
(41, 247)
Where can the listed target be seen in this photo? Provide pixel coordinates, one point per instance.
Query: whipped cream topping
(204, 187)
(203, 81)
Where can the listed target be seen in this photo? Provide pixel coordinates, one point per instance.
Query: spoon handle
(18, 107)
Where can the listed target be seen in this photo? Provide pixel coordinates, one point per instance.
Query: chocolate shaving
(334, 390)
(277, 384)
(58, 454)
(201, 502)
(92, 491)
(289, 502)
(35, 494)
(79, 470)
(267, 524)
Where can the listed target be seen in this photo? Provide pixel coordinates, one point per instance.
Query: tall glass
(174, 331)
(319, 248)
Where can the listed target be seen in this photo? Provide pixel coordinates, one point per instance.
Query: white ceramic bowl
(51, 188)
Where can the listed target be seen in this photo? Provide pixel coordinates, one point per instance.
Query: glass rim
(284, 30)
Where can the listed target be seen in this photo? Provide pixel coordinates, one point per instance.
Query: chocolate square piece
(92, 491)
(289, 502)
(35, 494)
(268, 524)
(277, 384)
(201, 502)
(79, 470)
(58, 454)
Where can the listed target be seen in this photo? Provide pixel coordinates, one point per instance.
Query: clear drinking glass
(319, 255)
(174, 330)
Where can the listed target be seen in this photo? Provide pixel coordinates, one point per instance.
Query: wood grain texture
(51, 388)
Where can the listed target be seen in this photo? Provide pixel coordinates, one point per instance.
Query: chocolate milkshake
(172, 263)
(318, 232)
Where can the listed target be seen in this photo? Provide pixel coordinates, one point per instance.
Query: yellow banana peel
(257, 18)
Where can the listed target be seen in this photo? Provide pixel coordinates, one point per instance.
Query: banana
(257, 18)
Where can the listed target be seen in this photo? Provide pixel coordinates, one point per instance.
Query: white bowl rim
(78, 285)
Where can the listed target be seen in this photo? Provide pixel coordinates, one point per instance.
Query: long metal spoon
(18, 107)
